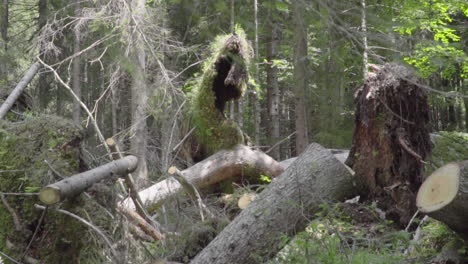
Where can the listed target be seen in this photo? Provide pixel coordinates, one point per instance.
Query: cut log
(71, 186)
(391, 139)
(283, 208)
(444, 196)
(340, 154)
(223, 165)
(10, 101)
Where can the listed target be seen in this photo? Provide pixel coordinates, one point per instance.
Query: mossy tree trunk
(225, 77)
(391, 138)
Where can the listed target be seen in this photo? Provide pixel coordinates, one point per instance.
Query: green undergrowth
(213, 131)
(33, 153)
(355, 234)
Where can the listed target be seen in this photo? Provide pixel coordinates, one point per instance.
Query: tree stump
(391, 139)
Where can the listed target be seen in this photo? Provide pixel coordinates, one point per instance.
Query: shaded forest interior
(167, 114)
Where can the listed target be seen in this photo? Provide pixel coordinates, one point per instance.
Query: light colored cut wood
(439, 189)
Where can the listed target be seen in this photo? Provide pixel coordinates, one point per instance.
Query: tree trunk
(257, 112)
(43, 87)
(139, 97)
(76, 73)
(10, 101)
(76, 184)
(391, 139)
(283, 208)
(223, 165)
(4, 24)
(444, 196)
(365, 57)
(272, 85)
(240, 113)
(465, 100)
(300, 76)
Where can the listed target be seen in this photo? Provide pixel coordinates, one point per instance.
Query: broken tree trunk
(223, 165)
(71, 186)
(283, 208)
(444, 196)
(10, 101)
(391, 139)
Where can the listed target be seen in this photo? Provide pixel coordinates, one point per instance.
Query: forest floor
(355, 233)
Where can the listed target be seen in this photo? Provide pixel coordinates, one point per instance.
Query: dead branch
(15, 94)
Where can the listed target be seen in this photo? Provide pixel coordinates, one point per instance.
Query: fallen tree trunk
(10, 101)
(223, 165)
(71, 186)
(283, 208)
(444, 196)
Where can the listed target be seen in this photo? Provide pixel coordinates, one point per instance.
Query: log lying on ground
(71, 186)
(10, 101)
(221, 166)
(444, 196)
(340, 154)
(284, 207)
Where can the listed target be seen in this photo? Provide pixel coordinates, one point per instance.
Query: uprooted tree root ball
(391, 139)
(225, 77)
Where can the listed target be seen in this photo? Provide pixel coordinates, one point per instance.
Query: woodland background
(135, 65)
(310, 58)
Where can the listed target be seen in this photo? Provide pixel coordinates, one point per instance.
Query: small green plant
(265, 179)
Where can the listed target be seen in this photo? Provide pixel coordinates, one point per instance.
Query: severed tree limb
(15, 94)
(283, 208)
(142, 224)
(220, 166)
(71, 186)
(16, 219)
(116, 155)
(444, 195)
(191, 190)
(142, 218)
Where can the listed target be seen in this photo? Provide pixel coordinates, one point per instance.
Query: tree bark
(444, 196)
(300, 75)
(223, 165)
(256, 101)
(10, 101)
(465, 100)
(71, 186)
(43, 88)
(4, 24)
(391, 139)
(282, 209)
(139, 97)
(272, 85)
(76, 72)
(365, 57)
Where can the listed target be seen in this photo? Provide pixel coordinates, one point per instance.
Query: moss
(448, 147)
(24, 148)
(213, 131)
